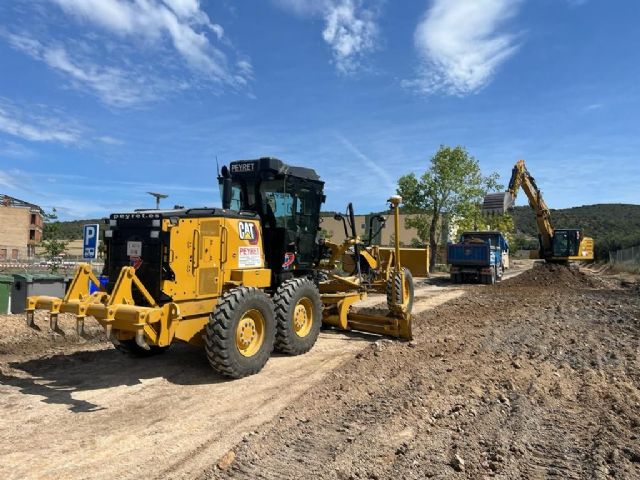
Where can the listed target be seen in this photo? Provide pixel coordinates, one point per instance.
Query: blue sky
(104, 100)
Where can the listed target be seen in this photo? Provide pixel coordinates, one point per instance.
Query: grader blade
(337, 313)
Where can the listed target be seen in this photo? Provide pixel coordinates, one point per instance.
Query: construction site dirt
(536, 377)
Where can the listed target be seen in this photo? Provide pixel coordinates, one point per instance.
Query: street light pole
(158, 196)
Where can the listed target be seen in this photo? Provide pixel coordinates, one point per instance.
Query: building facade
(21, 225)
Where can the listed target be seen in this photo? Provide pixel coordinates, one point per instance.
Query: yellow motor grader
(240, 280)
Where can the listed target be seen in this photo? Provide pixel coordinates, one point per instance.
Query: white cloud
(350, 28)
(6, 180)
(109, 140)
(351, 32)
(462, 43)
(36, 128)
(114, 86)
(182, 21)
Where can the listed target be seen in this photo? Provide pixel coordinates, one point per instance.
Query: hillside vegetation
(613, 226)
(72, 230)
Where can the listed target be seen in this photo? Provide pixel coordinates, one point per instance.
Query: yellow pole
(395, 204)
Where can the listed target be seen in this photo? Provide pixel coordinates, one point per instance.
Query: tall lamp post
(157, 196)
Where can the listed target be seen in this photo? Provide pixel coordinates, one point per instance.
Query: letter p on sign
(90, 241)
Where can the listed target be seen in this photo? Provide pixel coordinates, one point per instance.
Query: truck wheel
(492, 277)
(298, 316)
(402, 291)
(240, 334)
(132, 349)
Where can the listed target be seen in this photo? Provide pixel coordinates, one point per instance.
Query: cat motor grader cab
(559, 245)
(240, 280)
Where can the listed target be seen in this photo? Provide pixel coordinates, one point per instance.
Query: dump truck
(240, 281)
(479, 256)
(557, 245)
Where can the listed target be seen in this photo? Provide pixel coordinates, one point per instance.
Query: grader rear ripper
(241, 280)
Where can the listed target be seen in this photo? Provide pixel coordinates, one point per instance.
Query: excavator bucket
(497, 203)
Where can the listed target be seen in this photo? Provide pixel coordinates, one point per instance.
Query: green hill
(72, 230)
(612, 226)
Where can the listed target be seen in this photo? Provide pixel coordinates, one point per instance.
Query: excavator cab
(287, 199)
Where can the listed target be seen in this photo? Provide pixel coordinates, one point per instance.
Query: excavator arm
(501, 202)
(556, 245)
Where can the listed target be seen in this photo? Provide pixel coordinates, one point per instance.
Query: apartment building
(21, 225)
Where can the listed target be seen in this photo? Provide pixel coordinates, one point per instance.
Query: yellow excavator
(241, 280)
(558, 245)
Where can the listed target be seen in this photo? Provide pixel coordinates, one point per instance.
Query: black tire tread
(219, 334)
(398, 283)
(286, 339)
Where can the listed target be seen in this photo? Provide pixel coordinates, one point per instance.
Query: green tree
(52, 244)
(453, 186)
(475, 220)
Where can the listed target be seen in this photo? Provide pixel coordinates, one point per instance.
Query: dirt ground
(533, 378)
(537, 377)
(74, 408)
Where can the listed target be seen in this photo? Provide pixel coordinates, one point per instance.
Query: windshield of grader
(289, 209)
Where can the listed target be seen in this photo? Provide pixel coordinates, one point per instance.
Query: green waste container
(6, 281)
(25, 285)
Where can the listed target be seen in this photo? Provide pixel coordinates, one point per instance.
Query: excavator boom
(569, 244)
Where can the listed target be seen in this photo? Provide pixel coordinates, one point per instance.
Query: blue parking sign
(90, 241)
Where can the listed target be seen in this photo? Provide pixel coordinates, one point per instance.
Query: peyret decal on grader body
(216, 276)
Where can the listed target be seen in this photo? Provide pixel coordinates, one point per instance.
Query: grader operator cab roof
(269, 167)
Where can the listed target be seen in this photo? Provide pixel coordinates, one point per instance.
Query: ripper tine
(80, 326)
(53, 321)
(53, 324)
(31, 320)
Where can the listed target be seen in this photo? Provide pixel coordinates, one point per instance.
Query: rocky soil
(537, 377)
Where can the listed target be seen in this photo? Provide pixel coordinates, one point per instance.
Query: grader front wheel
(403, 292)
(240, 334)
(298, 316)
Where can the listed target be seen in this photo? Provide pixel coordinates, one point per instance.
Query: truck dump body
(475, 254)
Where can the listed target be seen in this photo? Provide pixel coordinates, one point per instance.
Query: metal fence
(66, 267)
(629, 256)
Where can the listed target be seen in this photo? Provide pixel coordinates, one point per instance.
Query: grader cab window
(280, 206)
(306, 208)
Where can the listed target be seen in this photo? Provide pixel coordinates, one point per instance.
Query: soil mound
(551, 275)
(17, 338)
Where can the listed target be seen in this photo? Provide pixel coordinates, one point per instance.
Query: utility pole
(157, 196)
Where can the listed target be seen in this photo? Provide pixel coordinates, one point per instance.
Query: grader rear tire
(401, 290)
(298, 316)
(240, 334)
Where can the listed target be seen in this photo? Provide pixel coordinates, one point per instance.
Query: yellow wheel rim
(405, 291)
(303, 317)
(250, 333)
